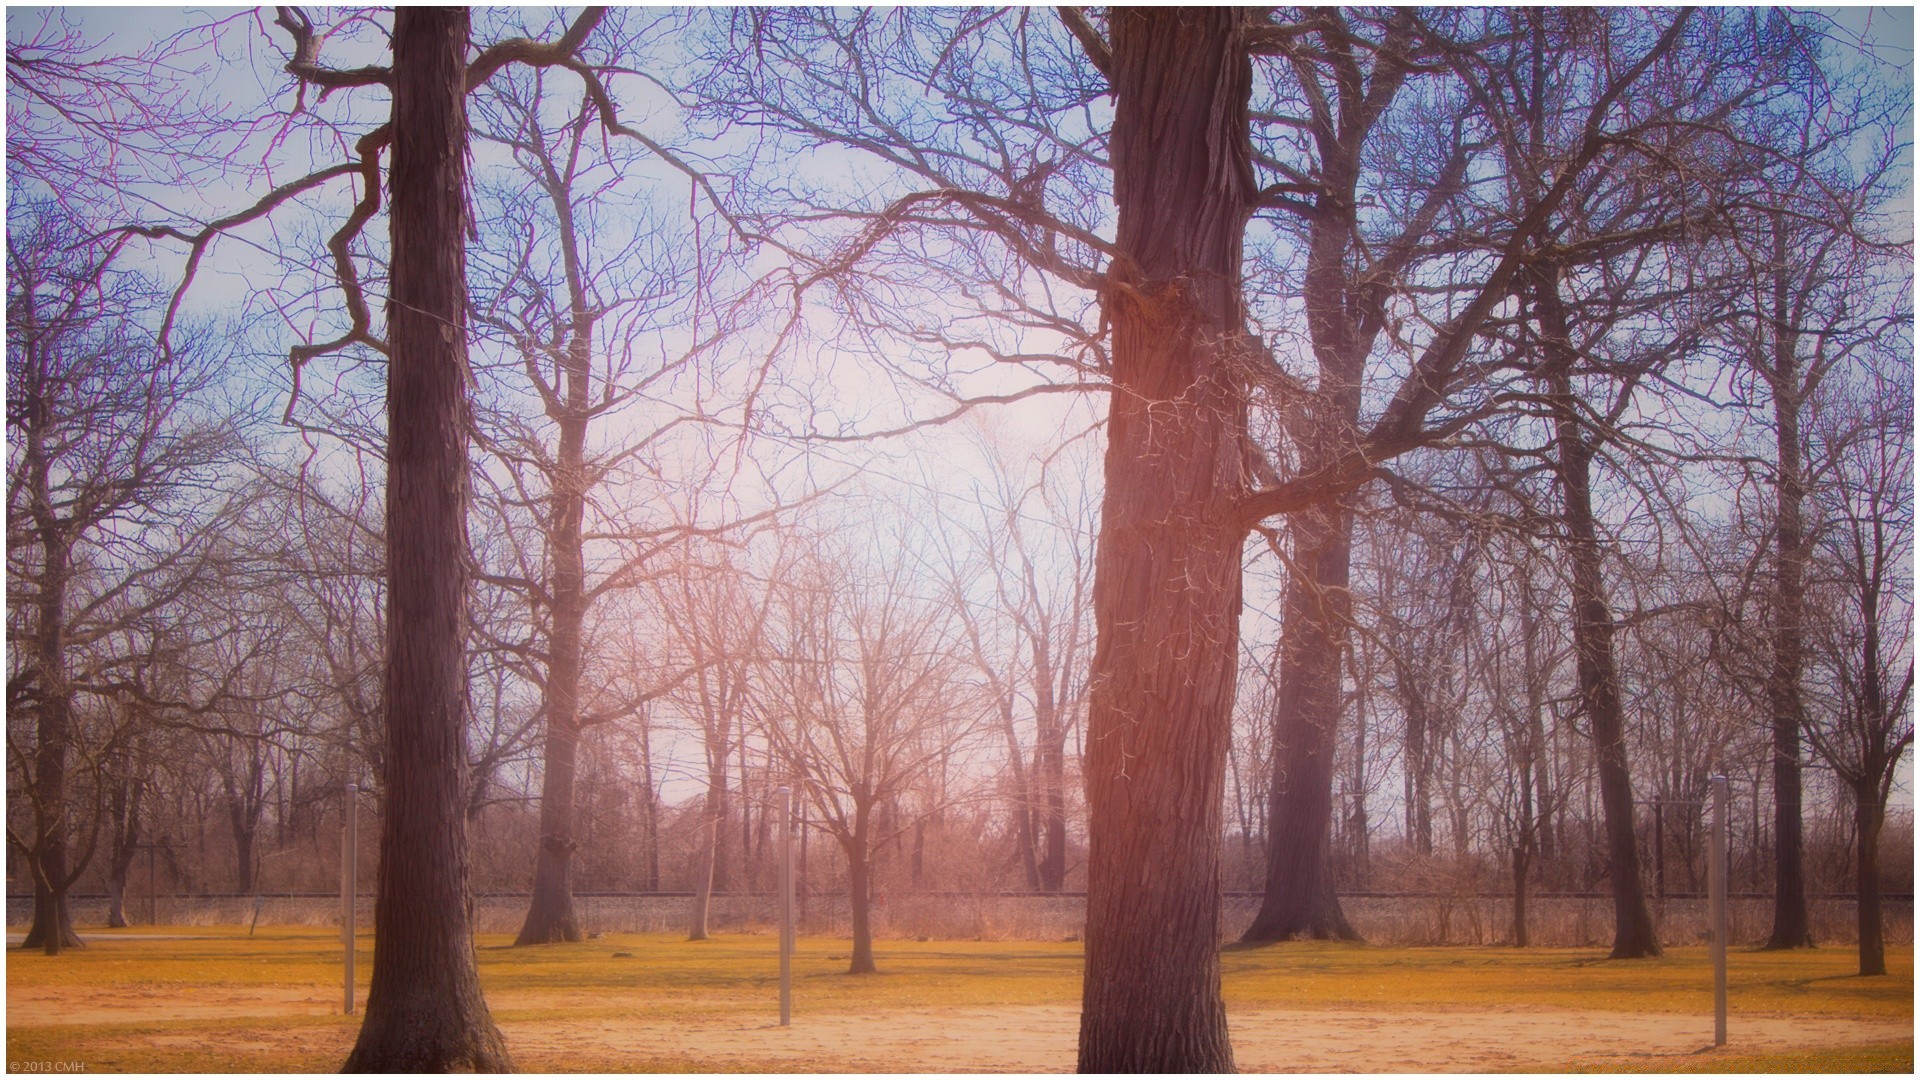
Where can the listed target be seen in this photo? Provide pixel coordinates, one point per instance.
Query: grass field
(215, 999)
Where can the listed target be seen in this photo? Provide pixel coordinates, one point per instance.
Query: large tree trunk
(1633, 930)
(52, 926)
(425, 1012)
(1299, 899)
(1167, 593)
(1792, 927)
(1869, 813)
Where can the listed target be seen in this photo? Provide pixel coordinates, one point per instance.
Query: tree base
(550, 923)
(38, 936)
(411, 1047)
(1634, 950)
(1288, 922)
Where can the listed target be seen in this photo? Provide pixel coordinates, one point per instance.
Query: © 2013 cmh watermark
(46, 1066)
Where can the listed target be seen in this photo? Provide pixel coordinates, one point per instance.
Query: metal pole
(153, 891)
(784, 798)
(1717, 896)
(349, 867)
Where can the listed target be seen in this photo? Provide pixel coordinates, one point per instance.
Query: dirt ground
(1012, 1039)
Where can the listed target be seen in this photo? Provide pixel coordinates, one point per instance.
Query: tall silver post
(349, 887)
(784, 797)
(1717, 897)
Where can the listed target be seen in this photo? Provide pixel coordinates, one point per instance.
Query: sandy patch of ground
(1012, 1039)
(159, 1004)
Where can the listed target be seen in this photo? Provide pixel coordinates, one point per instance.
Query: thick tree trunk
(425, 1012)
(1633, 932)
(1299, 899)
(1792, 926)
(52, 926)
(1167, 593)
(1868, 815)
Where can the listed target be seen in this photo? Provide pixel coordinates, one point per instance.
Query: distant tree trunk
(1633, 932)
(1792, 927)
(1869, 814)
(1416, 770)
(243, 859)
(425, 1012)
(712, 821)
(1299, 899)
(1053, 777)
(244, 803)
(1167, 592)
(652, 796)
(859, 848)
(550, 916)
(1359, 842)
(1050, 757)
(1024, 800)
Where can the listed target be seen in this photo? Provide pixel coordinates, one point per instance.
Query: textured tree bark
(52, 926)
(1299, 900)
(1167, 593)
(425, 1012)
(1792, 926)
(1633, 930)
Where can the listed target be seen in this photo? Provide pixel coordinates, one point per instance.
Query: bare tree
(112, 505)
(1863, 578)
(424, 1007)
(580, 293)
(716, 617)
(860, 701)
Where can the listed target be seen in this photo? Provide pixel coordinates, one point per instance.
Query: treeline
(1503, 422)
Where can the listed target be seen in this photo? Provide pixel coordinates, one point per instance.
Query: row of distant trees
(1508, 426)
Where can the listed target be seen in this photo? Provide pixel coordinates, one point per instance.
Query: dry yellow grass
(217, 1000)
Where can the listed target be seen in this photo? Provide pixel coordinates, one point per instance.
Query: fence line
(1582, 920)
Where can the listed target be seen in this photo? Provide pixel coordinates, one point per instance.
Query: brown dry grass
(219, 1001)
